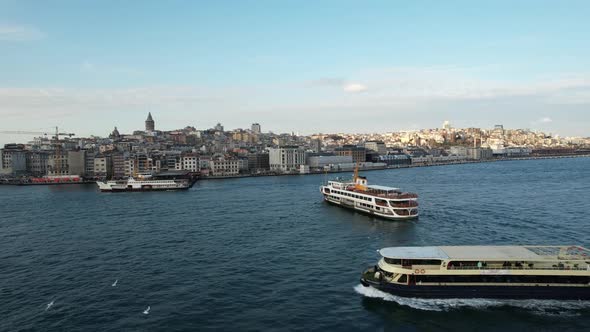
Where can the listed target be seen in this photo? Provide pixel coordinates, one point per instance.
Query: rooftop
(382, 188)
(488, 252)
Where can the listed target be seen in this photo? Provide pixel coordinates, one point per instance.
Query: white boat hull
(143, 185)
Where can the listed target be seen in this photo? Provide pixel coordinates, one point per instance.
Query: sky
(294, 66)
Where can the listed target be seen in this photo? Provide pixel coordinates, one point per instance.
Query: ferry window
(394, 261)
(425, 262)
(403, 278)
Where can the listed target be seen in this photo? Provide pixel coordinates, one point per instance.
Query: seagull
(115, 283)
(49, 305)
(146, 311)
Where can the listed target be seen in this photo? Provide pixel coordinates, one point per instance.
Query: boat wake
(542, 307)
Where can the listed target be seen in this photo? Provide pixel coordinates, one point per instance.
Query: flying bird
(115, 283)
(147, 310)
(49, 305)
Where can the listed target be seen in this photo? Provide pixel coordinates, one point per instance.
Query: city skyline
(329, 67)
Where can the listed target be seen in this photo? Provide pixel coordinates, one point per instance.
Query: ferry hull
(131, 185)
(370, 212)
(114, 190)
(489, 292)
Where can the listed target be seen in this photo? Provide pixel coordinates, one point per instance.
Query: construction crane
(57, 158)
(21, 132)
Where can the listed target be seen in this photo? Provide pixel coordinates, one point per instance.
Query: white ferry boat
(385, 202)
(143, 185)
(507, 272)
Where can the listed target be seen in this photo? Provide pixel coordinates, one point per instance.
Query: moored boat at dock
(503, 272)
(381, 201)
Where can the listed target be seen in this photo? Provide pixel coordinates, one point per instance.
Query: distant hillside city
(216, 152)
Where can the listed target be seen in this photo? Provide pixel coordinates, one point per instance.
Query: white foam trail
(545, 307)
(147, 310)
(49, 305)
(115, 283)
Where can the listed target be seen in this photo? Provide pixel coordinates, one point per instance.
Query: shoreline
(332, 171)
(399, 167)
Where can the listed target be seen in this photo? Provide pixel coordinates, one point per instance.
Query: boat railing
(407, 204)
(495, 268)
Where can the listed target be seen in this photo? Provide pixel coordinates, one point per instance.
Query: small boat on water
(381, 201)
(148, 184)
(500, 272)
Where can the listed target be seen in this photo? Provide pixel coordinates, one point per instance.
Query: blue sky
(316, 66)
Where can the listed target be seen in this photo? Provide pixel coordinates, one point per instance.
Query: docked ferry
(382, 201)
(149, 184)
(501, 272)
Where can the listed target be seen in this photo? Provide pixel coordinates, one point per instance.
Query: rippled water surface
(268, 254)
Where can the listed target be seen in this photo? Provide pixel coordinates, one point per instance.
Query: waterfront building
(150, 125)
(89, 163)
(243, 164)
(377, 146)
(258, 162)
(458, 151)
(144, 163)
(37, 163)
(118, 163)
(286, 158)
(256, 128)
(359, 154)
(479, 153)
(57, 164)
(205, 162)
(170, 160)
(76, 162)
(190, 162)
(517, 152)
(103, 166)
(321, 161)
(224, 167)
(13, 159)
(130, 167)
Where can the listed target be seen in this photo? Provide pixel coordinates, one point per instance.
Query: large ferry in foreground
(385, 202)
(149, 184)
(502, 272)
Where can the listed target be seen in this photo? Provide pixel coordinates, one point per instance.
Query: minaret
(149, 123)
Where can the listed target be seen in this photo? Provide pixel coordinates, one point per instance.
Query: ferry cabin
(515, 272)
(386, 202)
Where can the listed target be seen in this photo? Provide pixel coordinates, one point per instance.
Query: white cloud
(336, 82)
(19, 33)
(354, 87)
(545, 120)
